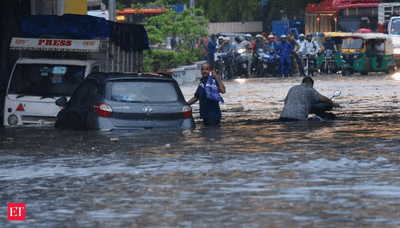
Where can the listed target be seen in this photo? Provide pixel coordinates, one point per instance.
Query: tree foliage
(231, 10)
(188, 27)
(242, 10)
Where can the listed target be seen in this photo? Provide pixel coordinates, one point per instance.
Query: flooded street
(252, 171)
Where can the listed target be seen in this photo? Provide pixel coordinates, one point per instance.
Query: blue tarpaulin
(129, 37)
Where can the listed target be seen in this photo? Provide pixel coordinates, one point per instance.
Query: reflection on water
(249, 172)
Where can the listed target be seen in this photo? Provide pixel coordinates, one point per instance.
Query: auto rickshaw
(361, 53)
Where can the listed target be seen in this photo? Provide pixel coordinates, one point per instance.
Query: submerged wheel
(305, 71)
(346, 72)
(391, 70)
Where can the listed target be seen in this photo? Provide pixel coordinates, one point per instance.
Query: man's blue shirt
(284, 48)
(329, 45)
(211, 47)
(227, 48)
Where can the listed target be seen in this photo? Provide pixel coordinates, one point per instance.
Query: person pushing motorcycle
(299, 100)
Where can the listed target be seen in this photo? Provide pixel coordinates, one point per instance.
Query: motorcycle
(220, 64)
(321, 110)
(328, 65)
(240, 63)
(308, 65)
(266, 64)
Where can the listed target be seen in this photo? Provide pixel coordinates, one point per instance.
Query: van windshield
(352, 43)
(46, 80)
(395, 29)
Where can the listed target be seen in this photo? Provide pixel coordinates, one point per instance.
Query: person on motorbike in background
(284, 48)
(329, 44)
(247, 45)
(310, 48)
(220, 42)
(257, 44)
(226, 47)
(301, 39)
(237, 45)
(271, 45)
(211, 50)
(293, 54)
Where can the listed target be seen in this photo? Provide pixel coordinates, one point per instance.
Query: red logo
(16, 211)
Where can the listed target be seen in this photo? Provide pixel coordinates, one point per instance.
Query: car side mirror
(62, 102)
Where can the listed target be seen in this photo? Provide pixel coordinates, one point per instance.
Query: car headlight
(396, 51)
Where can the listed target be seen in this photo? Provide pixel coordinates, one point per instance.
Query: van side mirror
(62, 101)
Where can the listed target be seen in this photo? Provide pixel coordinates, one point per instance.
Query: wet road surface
(252, 171)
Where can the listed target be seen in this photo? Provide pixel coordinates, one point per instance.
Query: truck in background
(389, 23)
(57, 53)
(285, 27)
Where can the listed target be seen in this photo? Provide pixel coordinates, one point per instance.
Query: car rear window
(141, 91)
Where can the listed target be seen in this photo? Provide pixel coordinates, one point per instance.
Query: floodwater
(252, 171)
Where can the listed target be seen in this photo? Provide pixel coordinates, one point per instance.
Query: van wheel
(346, 72)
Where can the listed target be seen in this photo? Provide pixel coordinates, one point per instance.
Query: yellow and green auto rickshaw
(364, 53)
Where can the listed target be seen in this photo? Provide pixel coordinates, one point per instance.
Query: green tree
(188, 27)
(250, 10)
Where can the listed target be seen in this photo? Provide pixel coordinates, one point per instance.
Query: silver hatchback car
(109, 101)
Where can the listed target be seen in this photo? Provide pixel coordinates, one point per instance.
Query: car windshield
(352, 43)
(395, 29)
(46, 79)
(141, 91)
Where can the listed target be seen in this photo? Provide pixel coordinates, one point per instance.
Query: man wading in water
(299, 100)
(207, 94)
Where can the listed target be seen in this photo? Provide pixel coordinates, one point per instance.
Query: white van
(35, 84)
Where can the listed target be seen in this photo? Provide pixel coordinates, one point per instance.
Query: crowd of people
(287, 47)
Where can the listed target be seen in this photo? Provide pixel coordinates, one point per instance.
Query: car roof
(102, 77)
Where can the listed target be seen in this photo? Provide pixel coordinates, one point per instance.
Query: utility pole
(112, 9)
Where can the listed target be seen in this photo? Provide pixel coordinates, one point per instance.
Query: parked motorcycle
(240, 64)
(321, 110)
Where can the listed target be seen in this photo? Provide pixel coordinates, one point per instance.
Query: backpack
(314, 46)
